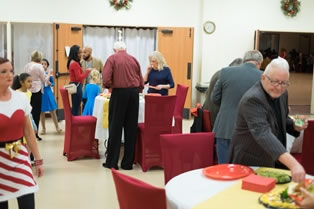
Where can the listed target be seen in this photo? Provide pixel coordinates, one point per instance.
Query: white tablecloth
(188, 189)
(98, 112)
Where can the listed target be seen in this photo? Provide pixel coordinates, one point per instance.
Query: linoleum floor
(80, 184)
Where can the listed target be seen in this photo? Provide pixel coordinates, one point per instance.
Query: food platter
(280, 176)
(273, 200)
(288, 197)
(227, 171)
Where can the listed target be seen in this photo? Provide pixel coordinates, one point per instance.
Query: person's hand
(159, 87)
(39, 170)
(300, 118)
(297, 173)
(149, 68)
(50, 72)
(308, 201)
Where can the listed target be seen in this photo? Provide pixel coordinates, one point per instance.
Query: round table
(102, 133)
(190, 188)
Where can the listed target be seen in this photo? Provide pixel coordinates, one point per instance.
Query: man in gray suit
(229, 89)
(208, 104)
(259, 138)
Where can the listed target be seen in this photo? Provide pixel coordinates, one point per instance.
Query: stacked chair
(79, 137)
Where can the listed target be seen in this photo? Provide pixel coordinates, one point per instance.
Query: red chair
(307, 155)
(158, 120)
(185, 152)
(135, 194)
(207, 123)
(179, 107)
(79, 137)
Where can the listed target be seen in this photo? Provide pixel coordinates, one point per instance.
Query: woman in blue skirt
(48, 103)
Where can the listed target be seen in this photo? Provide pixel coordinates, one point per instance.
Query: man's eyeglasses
(284, 84)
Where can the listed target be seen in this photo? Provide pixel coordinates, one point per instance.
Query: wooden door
(176, 44)
(257, 35)
(64, 35)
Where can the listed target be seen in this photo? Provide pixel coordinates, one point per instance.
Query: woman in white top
(16, 176)
(37, 72)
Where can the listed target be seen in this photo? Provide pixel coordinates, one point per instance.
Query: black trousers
(76, 100)
(123, 112)
(36, 107)
(25, 202)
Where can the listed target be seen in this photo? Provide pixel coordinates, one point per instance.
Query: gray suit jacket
(229, 89)
(208, 104)
(253, 141)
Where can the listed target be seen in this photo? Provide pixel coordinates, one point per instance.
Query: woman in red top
(76, 76)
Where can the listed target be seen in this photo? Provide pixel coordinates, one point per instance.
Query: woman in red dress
(16, 177)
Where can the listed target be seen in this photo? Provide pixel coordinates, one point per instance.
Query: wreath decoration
(290, 7)
(118, 4)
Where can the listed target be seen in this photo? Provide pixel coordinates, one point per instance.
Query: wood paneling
(176, 44)
(64, 35)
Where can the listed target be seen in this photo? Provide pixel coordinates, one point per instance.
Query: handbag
(71, 88)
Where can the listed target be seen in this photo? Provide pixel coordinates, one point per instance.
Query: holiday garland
(290, 7)
(118, 4)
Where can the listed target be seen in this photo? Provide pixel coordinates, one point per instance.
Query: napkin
(257, 183)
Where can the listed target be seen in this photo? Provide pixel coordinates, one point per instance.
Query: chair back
(66, 105)
(185, 152)
(308, 148)
(181, 93)
(179, 107)
(207, 125)
(67, 118)
(135, 194)
(158, 120)
(159, 112)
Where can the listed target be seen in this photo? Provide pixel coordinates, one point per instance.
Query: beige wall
(235, 22)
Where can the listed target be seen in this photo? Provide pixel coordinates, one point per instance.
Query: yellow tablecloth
(106, 113)
(236, 198)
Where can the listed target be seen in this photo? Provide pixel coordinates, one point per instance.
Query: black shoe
(38, 137)
(127, 167)
(106, 166)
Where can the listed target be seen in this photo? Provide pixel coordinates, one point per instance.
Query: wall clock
(209, 27)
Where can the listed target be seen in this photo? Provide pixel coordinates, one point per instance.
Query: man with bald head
(90, 62)
(259, 137)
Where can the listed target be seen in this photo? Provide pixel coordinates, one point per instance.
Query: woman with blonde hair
(39, 78)
(158, 75)
(91, 91)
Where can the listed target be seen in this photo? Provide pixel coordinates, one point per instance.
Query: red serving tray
(227, 171)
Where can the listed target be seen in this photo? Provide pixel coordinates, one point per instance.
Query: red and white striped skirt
(16, 176)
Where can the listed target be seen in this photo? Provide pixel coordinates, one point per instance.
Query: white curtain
(2, 40)
(28, 37)
(101, 40)
(140, 43)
